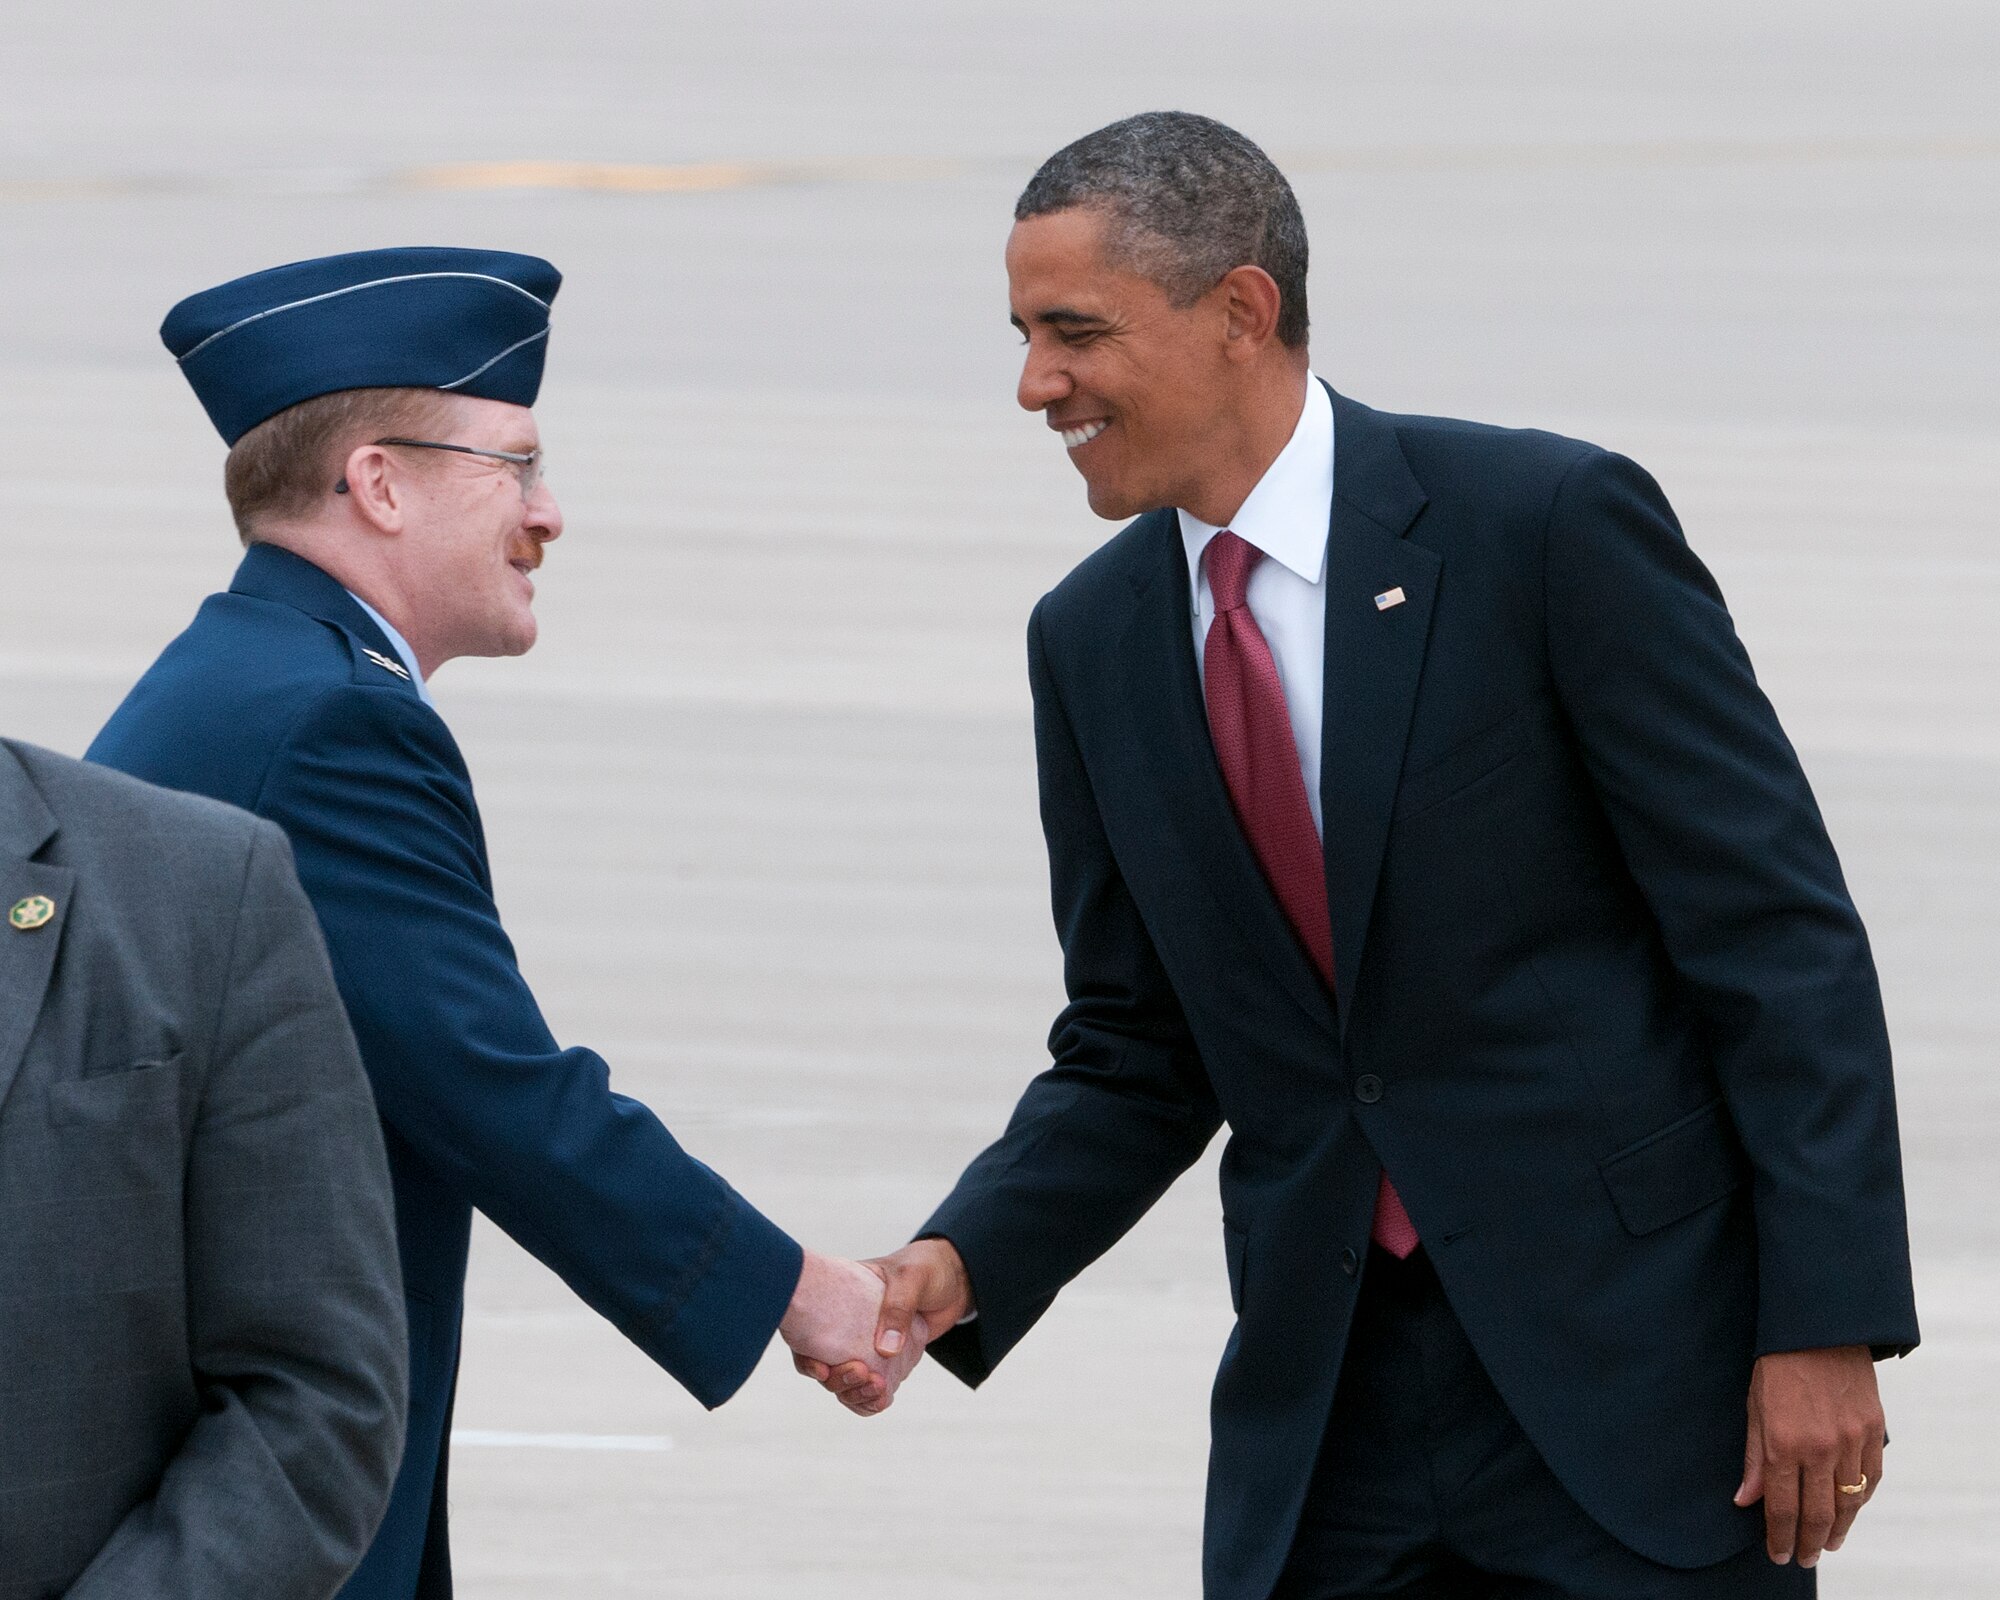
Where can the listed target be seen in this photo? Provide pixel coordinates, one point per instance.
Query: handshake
(859, 1328)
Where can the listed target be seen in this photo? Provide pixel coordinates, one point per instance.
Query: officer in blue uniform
(385, 475)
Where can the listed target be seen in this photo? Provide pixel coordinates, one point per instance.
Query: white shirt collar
(1286, 515)
(399, 643)
(1289, 511)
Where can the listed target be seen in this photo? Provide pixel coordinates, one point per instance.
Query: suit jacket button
(1368, 1088)
(1350, 1263)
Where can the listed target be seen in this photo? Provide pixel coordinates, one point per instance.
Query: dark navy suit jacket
(1603, 1006)
(269, 701)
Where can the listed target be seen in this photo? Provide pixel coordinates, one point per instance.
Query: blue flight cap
(469, 321)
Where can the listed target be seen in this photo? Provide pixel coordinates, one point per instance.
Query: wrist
(962, 1307)
(805, 1293)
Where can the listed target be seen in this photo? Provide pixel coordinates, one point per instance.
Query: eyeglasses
(527, 467)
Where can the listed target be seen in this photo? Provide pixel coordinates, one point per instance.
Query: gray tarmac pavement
(762, 803)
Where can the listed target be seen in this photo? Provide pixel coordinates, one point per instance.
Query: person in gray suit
(202, 1350)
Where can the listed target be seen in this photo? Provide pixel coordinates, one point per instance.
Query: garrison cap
(469, 321)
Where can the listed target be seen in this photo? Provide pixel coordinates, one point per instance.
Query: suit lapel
(27, 958)
(1162, 694)
(1374, 660)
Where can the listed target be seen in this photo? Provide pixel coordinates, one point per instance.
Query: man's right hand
(831, 1326)
(927, 1291)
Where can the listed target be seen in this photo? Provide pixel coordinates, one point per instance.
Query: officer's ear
(375, 489)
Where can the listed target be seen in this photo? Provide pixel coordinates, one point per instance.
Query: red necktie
(1252, 733)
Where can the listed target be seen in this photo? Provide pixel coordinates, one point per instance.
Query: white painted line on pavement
(495, 1439)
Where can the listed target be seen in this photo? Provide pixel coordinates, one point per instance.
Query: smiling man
(1413, 811)
(385, 472)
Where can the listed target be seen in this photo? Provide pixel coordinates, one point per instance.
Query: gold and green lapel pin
(29, 914)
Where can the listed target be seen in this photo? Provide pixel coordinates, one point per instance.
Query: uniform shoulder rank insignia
(386, 664)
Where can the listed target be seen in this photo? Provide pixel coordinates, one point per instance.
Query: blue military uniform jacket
(272, 700)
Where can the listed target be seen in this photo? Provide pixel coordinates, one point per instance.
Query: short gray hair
(1189, 200)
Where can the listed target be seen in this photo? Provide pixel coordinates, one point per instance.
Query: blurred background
(762, 801)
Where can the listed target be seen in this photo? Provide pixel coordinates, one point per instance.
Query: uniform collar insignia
(388, 664)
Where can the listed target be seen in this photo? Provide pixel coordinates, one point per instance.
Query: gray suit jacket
(202, 1358)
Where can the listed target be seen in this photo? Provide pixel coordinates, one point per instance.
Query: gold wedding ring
(1854, 1488)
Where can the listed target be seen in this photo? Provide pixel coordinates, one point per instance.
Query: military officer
(385, 474)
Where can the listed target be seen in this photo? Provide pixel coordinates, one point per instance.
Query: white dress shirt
(1286, 516)
(401, 647)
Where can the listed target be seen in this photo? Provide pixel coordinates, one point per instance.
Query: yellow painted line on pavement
(693, 177)
(711, 177)
(1637, 153)
(623, 177)
(76, 188)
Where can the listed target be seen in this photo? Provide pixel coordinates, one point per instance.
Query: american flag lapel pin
(1388, 599)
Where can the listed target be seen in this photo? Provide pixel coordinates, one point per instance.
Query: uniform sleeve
(295, 1306)
(466, 1071)
(1720, 831)
(1122, 1111)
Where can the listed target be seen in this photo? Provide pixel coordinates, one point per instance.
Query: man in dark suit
(201, 1327)
(385, 472)
(1413, 810)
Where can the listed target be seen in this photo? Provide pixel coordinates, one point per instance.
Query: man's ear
(1250, 306)
(376, 489)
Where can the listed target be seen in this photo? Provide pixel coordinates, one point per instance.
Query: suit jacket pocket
(118, 1147)
(166, 1053)
(107, 1099)
(1459, 768)
(1675, 1171)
